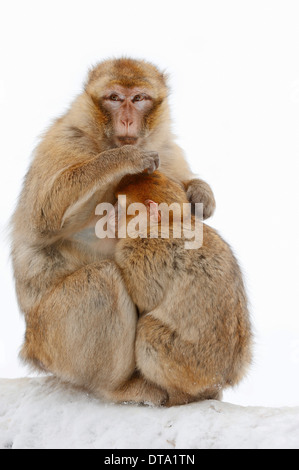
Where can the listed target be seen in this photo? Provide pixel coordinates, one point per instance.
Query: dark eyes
(138, 98)
(115, 97)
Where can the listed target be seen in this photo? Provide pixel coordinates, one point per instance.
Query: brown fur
(194, 336)
(80, 320)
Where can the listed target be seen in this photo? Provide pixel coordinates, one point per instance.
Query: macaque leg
(161, 358)
(84, 332)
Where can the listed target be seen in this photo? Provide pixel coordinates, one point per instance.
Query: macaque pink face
(118, 219)
(127, 108)
(152, 210)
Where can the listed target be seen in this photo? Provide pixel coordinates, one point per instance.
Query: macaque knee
(85, 329)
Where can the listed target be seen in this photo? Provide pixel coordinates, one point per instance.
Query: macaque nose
(127, 122)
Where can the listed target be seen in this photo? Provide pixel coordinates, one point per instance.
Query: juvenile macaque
(80, 320)
(194, 334)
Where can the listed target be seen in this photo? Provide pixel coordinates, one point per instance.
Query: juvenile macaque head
(130, 98)
(152, 206)
(153, 187)
(150, 196)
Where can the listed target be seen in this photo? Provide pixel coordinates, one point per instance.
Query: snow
(41, 413)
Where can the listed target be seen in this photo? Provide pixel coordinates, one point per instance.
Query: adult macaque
(194, 335)
(80, 320)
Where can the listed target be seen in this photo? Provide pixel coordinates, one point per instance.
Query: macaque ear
(152, 210)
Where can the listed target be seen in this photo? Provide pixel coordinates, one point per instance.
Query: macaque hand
(151, 161)
(199, 191)
(142, 161)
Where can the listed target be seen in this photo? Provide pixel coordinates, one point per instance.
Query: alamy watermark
(151, 220)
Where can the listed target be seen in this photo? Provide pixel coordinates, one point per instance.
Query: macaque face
(130, 100)
(127, 108)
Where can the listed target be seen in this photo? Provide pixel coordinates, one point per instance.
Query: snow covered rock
(41, 413)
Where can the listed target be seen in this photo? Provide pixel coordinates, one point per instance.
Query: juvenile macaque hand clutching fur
(80, 320)
(194, 335)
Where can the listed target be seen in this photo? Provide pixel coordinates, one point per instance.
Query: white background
(234, 74)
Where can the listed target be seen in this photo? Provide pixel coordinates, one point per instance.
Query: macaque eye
(114, 97)
(138, 98)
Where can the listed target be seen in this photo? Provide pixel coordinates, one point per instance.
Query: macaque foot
(138, 390)
(177, 398)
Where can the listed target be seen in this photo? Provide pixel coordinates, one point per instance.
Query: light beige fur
(194, 335)
(80, 320)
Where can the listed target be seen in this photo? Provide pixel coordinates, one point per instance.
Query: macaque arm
(66, 204)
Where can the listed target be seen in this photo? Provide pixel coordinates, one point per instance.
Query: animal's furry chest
(94, 246)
